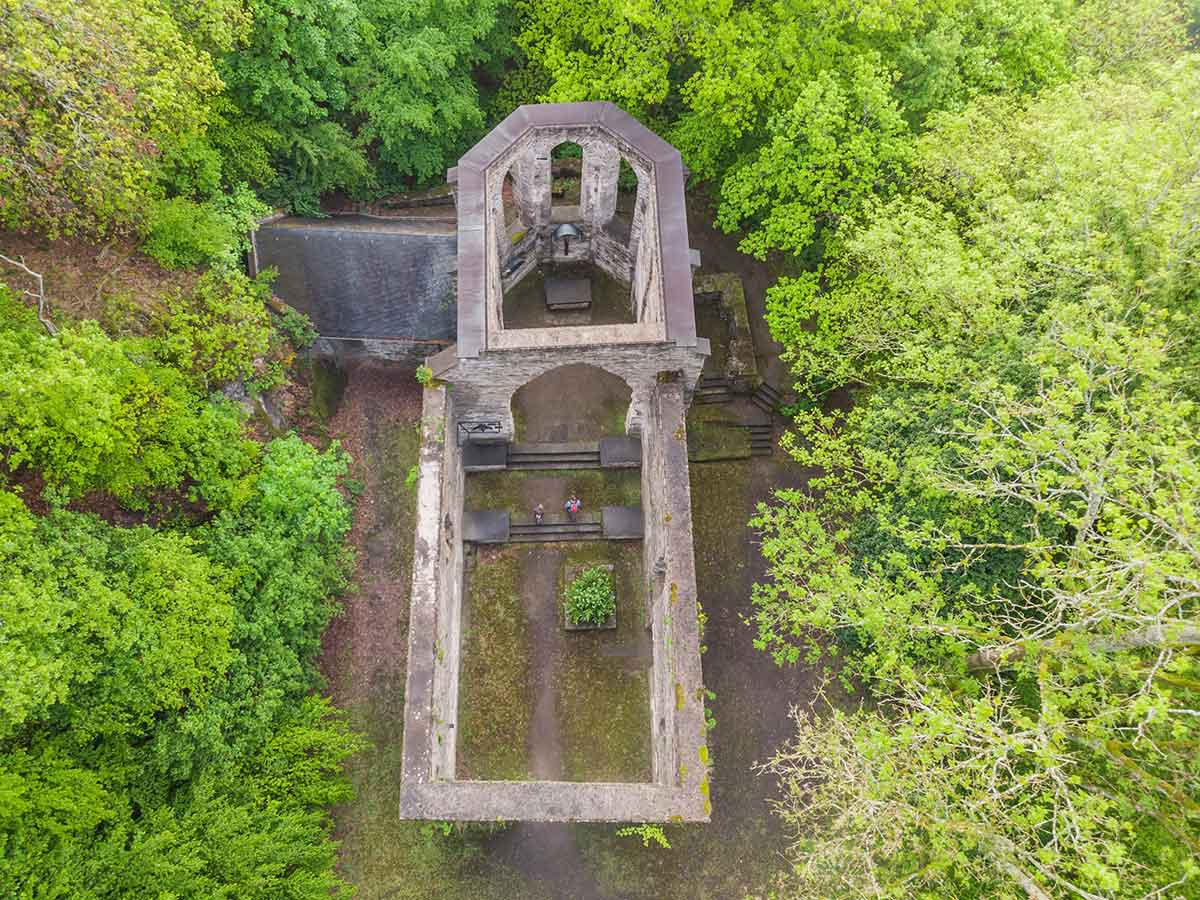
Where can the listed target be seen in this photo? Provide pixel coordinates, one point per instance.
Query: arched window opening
(512, 210)
(621, 225)
(566, 171)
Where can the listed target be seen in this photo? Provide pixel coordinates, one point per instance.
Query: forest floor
(109, 282)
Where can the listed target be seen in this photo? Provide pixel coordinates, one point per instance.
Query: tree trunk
(996, 658)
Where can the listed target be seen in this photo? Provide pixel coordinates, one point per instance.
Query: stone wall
(679, 790)
(679, 751)
(434, 633)
(528, 163)
(450, 591)
(483, 387)
(413, 352)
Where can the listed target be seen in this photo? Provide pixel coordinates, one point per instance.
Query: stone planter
(569, 575)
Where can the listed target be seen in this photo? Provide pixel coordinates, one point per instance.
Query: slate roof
(365, 278)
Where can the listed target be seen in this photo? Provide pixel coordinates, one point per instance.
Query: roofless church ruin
(511, 230)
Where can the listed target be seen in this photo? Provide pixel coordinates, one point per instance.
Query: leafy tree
(1001, 545)
(154, 723)
(836, 148)
(218, 330)
(291, 77)
(88, 91)
(414, 84)
(285, 548)
(93, 414)
(107, 627)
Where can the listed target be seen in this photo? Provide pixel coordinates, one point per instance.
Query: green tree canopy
(1002, 543)
(89, 91)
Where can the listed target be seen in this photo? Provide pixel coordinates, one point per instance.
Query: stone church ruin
(468, 423)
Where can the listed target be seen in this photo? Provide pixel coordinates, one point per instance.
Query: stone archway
(571, 403)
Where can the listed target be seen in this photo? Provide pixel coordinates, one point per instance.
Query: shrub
(218, 331)
(424, 375)
(591, 598)
(91, 413)
(184, 233)
(297, 328)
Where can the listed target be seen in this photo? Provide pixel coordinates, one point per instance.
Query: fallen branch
(40, 294)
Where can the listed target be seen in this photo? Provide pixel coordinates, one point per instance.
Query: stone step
(713, 395)
(769, 391)
(578, 531)
(547, 464)
(554, 456)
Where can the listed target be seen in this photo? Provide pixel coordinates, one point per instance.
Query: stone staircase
(767, 398)
(554, 456)
(713, 389)
(762, 439)
(555, 531)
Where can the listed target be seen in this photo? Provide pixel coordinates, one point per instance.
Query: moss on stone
(519, 491)
(714, 433)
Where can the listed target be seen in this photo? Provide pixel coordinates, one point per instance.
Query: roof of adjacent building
(359, 277)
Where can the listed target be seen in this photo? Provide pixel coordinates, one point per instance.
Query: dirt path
(365, 649)
(538, 587)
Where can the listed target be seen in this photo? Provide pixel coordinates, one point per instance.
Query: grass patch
(603, 699)
(387, 858)
(495, 693)
(383, 856)
(710, 324)
(713, 434)
(399, 447)
(520, 491)
(719, 518)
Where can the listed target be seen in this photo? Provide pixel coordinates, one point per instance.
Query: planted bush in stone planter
(591, 600)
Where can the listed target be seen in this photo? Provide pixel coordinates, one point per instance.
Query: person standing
(539, 514)
(572, 506)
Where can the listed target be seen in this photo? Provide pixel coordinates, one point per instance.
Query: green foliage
(285, 547)
(647, 833)
(181, 232)
(93, 414)
(190, 167)
(218, 332)
(843, 143)
(424, 375)
(591, 597)
(89, 89)
(998, 545)
(799, 111)
(156, 724)
(107, 626)
(414, 84)
(296, 327)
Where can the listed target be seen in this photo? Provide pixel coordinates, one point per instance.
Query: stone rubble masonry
(435, 629)
(654, 257)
